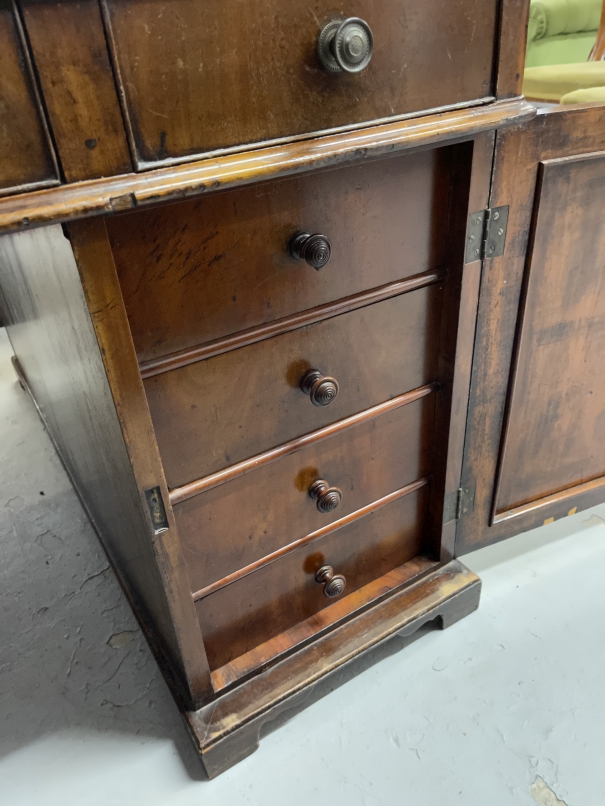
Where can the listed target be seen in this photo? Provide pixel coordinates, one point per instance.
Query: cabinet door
(535, 441)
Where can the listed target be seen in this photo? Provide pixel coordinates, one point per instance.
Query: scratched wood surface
(26, 154)
(217, 412)
(220, 74)
(203, 269)
(70, 52)
(555, 434)
(228, 731)
(259, 606)
(365, 463)
(113, 194)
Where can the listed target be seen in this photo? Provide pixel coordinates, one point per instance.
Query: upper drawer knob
(345, 45)
(328, 498)
(315, 249)
(334, 584)
(320, 389)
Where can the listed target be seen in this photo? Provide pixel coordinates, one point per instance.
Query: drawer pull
(345, 45)
(334, 584)
(320, 389)
(315, 249)
(328, 498)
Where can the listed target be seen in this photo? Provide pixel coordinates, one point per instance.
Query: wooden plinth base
(228, 730)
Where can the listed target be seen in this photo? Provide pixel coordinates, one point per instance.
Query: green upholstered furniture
(561, 31)
(594, 95)
(553, 82)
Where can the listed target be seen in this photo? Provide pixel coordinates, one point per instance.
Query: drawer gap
(323, 532)
(245, 337)
(180, 494)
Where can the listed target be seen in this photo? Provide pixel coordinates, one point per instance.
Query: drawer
(238, 523)
(219, 74)
(277, 596)
(26, 156)
(219, 411)
(200, 270)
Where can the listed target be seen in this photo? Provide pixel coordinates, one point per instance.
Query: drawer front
(217, 74)
(25, 151)
(217, 412)
(200, 270)
(269, 601)
(238, 523)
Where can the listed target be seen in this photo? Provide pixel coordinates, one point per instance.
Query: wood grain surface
(555, 435)
(550, 136)
(220, 74)
(113, 194)
(240, 522)
(319, 623)
(70, 53)
(26, 153)
(200, 270)
(160, 548)
(232, 472)
(277, 596)
(217, 412)
(229, 730)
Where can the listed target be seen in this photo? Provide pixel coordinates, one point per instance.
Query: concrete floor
(506, 707)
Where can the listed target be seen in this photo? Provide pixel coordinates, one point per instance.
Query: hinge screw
(496, 216)
(500, 231)
(479, 220)
(472, 238)
(492, 249)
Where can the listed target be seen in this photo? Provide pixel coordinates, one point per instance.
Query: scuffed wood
(228, 730)
(132, 190)
(319, 623)
(73, 67)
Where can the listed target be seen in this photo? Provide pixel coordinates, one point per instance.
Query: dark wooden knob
(315, 249)
(320, 389)
(328, 498)
(345, 45)
(334, 584)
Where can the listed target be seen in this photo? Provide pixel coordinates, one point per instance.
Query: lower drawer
(277, 596)
(238, 523)
(218, 412)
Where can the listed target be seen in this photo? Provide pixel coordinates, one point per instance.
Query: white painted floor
(506, 703)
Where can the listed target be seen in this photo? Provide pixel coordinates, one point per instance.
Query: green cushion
(552, 82)
(589, 96)
(561, 31)
(554, 17)
(561, 49)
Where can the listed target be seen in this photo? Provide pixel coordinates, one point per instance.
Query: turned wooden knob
(315, 249)
(320, 389)
(328, 498)
(334, 584)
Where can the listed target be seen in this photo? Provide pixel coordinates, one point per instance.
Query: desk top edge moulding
(241, 262)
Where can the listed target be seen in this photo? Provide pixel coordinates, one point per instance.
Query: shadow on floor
(71, 653)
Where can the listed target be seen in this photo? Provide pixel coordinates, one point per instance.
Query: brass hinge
(458, 503)
(486, 234)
